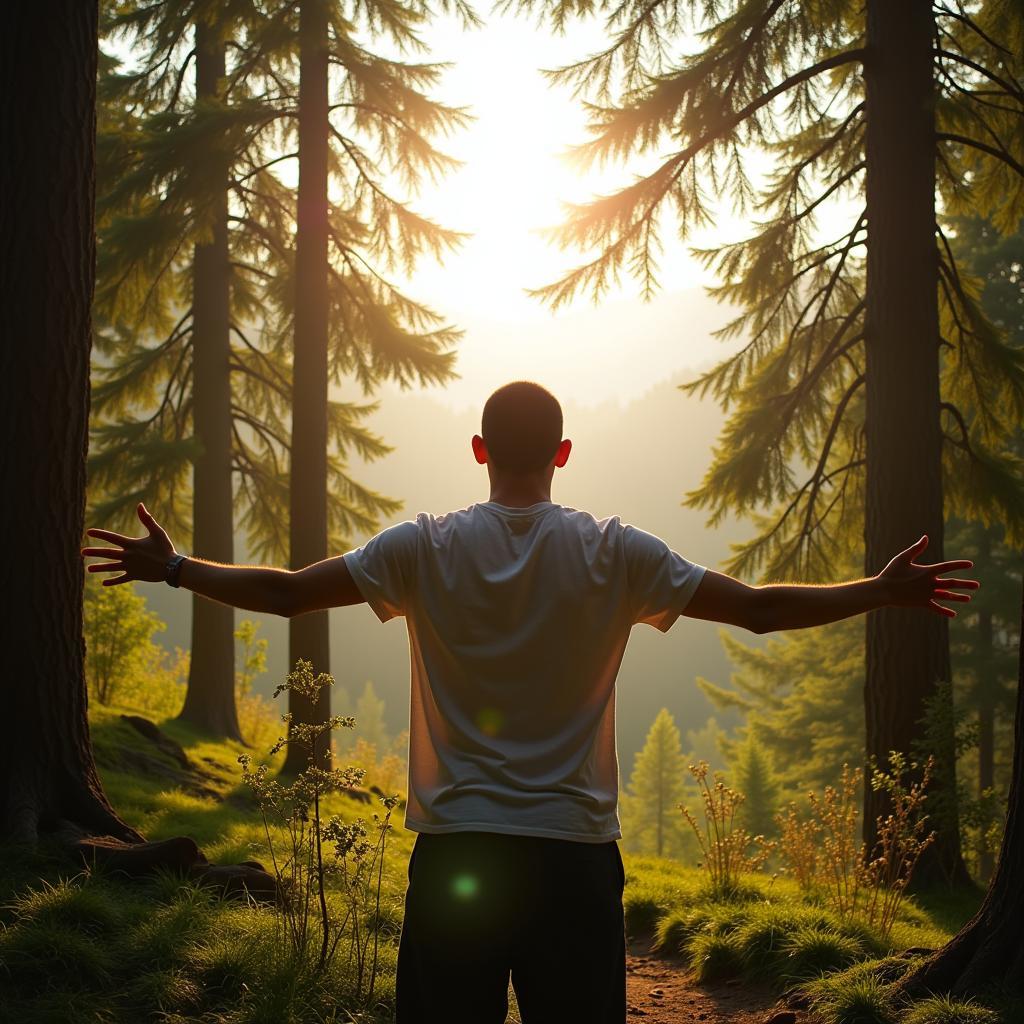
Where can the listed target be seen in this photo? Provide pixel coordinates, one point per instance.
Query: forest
(235, 318)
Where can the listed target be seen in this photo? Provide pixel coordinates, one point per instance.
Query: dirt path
(660, 990)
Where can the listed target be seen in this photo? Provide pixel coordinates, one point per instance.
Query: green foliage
(944, 1010)
(123, 663)
(657, 785)
(253, 656)
(786, 78)
(754, 772)
(802, 695)
(168, 156)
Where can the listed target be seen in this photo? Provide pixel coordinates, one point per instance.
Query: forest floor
(660, 989)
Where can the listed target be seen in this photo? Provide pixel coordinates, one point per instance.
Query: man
(518, 612)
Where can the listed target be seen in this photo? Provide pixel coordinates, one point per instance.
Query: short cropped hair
(522, 427)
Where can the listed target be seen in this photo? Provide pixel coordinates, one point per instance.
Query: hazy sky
(511, 186)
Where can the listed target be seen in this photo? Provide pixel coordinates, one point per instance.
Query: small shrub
(725, 846)
(316, 848)
(824, 854)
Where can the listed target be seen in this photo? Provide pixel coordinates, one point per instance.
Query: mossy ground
(80, 947)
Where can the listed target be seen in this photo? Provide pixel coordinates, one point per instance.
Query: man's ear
(479, 450)
(562, 455)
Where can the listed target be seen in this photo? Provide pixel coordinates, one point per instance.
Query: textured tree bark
(48, 779)
(210, 697)
(307, 634)
(989, 949)
(907, 649)
(47, 274)
(986, 696)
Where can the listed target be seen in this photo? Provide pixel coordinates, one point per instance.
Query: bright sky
(511, 186)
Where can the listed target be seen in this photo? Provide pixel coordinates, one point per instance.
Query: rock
(152, 733)
(781, 1017)
(656, 993)
(635, 1011)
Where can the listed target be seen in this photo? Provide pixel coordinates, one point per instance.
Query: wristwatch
(173, 569)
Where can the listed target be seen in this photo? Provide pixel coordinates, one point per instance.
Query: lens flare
(489, 721)
(465, 886)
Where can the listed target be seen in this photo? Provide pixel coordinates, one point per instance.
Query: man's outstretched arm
(775, 606)
(326, 584)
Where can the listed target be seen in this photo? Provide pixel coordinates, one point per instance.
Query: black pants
(481, 906)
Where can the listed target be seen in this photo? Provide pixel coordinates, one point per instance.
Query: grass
(83, 947)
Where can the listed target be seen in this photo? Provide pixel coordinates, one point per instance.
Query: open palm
(913, 585)
(139, 558)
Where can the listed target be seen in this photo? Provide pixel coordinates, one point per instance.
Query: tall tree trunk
(210, 697)
(307, 635)
(907, 649)
(989, 949)
(47, 273)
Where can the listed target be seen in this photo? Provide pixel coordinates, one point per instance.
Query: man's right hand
(140, 558)
(911, 585)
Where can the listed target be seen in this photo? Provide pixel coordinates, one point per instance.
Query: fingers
(150, 523)
(112, 581)
(960, 563)
(103, 552)
(965, 584)
(117, 538)
(918, 547)
(948, 612)
(945, 595)
(109, 566)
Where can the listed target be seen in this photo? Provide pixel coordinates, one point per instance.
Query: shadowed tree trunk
(47, 269)
(988, 686)
(907, 651)
(989, 949)
(48, 779)
(210, 698)
(307, 634)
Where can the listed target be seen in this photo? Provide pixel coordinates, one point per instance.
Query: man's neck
(515, 494)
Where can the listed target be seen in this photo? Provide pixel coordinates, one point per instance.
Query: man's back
(518, 620)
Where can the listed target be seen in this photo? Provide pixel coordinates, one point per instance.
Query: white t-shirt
(518, 620)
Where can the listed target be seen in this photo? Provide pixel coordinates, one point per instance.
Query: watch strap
(174, 569)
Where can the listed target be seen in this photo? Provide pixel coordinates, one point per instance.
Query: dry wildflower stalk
(724, 845)
(304, 864)
(822, 852)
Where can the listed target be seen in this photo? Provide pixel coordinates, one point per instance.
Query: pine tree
(341, 312)
(369, 716)
(802, 693)
(657, 786)
(866, 356)
(196, 243)
(754, 775)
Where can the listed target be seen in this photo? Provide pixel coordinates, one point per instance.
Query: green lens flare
(489, 721)
(465, 886)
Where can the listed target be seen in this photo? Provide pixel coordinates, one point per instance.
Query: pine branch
(998, 152)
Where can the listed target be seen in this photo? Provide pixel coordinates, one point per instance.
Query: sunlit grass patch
(851, 997)
(944, 1010)
(715, 957)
